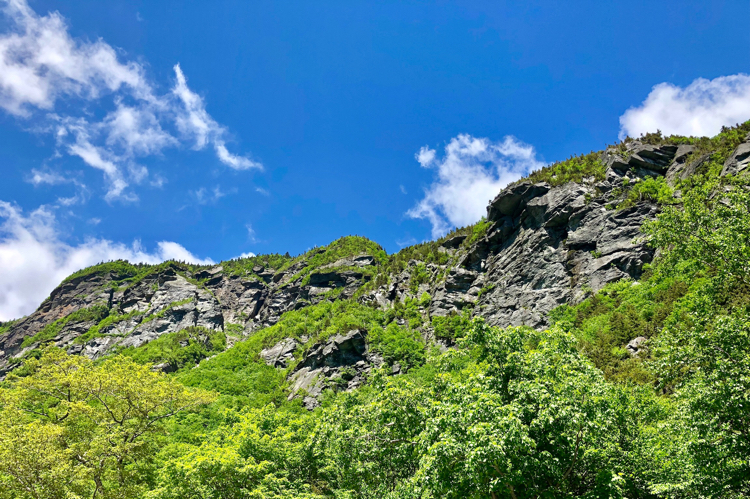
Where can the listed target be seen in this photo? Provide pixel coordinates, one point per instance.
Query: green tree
(709, 230)
(73, 428)
(261, 456)
(704, 349)
(515, 414)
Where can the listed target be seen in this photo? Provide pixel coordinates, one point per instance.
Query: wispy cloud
(408, 241)
(250, 233)
(207, 196)
(45, 176)
(34, 258)
(194, 122)
(40, 177)
(700, 109)
(42, 65)
(469, 174)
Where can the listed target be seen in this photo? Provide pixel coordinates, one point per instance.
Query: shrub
(398, 344)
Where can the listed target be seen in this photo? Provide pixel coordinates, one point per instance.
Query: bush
(574, 169)
(398, 344)
(451, 326)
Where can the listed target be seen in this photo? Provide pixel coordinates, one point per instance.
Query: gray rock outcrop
(281, 354)
(739, 160)
(172, 299)
(544, 245)
(341, 363)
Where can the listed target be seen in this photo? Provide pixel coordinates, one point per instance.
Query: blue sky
(289, 124)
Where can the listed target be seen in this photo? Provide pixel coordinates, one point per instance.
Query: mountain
(548, 240)
(563, 248)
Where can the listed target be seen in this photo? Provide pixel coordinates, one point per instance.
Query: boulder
(637, 346)
(513, 198)
(739, 160)
(280, 354)
(645, 159)
(340, 363)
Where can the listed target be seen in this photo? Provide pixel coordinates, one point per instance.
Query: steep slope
(551, 239)
(117, 305)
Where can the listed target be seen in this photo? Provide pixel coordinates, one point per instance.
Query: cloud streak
(469, 174)
(700, 109)
(41, 65)
(34, 259)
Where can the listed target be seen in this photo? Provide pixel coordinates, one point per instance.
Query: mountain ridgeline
(587, 338)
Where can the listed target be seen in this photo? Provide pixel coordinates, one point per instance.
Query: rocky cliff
(545, 241)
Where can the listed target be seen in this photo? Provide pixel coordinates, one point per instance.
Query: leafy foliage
(505, 413)
(451, 326)
(183, 348)
(710, 230)
(607, 321)
(653, 189)
(398, 344)
(73, 428)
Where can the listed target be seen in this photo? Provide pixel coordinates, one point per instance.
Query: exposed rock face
(646, 159)
(553, 245)
(739, 160)
(69, 297)
(280, 354)
(545, 245)
(341, 362)
(171, 300)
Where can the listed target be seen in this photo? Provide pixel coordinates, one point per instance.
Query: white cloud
(425, 156)
(250, 233)
(402, 189)
(158, 181)
(137, 130)
(263, 191)
(249, 254)
(700, 109)
(41, 64)
(206, 196)
(194, 122)
(39, 177)
(34, 259)
(471, 173)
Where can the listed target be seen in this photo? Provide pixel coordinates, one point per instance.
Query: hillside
(587, 338)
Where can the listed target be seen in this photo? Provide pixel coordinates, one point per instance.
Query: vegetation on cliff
(640, 390)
